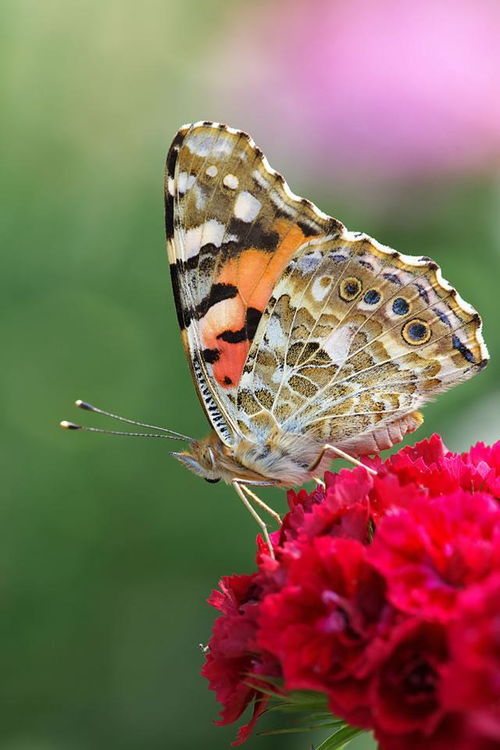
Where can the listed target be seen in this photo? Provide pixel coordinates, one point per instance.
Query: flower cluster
(384, 595)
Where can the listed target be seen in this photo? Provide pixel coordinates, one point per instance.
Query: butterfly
(306, 341)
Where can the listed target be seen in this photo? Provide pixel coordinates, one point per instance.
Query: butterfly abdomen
(383, 437)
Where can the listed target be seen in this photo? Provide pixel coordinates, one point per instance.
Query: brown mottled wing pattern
(232, 227)
(355, 337)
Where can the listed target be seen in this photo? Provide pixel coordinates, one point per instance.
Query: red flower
(405, 692)
(472, 679)
(430, 465)
(342, 509)
(384, 595)
(324, 624)
(233, 654)
(406, 698)
(450, 734)
(431, 549)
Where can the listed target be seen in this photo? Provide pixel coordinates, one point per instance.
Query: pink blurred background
(399, 89)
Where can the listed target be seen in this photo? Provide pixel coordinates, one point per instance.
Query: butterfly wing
(355, 337)
(232, 226)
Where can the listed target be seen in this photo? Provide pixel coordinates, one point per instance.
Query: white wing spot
(321, 287)
(199, 197)
(246, 206)
(274, 333)
(308, 262)
(284, 207)
(211, 171)
(231, 181)
(171, 186)
(205, 142)
(211, 232)
(185, 181)
(260, 179)
(338, 343)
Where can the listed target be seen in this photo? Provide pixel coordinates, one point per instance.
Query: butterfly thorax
(284, 459)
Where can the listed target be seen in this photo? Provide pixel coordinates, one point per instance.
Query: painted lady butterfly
(305, 340)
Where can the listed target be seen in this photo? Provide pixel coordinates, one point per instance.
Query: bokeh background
(386, 113)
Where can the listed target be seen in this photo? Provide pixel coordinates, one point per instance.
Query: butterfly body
(284, 459)
(304, 339)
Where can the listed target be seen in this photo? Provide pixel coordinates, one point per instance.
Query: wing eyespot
(416, 332)
(372, 297)
(400, 306)
(350, 288)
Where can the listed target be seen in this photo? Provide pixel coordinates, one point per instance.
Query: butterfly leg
(319, 482)
(260, 503)
(331, 448)
(246, 502)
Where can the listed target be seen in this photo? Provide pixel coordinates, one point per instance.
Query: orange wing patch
(228, 327)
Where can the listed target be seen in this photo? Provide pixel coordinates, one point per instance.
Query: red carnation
(472, 679)
(384, 596)
(430, 465)
(431, 549)
(233, 654)
(324, 624)
(450, 734)
(341, 509)
(405, 692)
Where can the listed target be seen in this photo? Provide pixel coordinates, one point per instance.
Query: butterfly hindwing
(232, 226)
(355, 337)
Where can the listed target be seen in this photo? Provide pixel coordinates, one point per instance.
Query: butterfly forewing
(232, 227)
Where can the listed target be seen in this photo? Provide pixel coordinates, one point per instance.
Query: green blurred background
(110, 548)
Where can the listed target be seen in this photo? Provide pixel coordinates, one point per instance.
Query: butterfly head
(202, 458)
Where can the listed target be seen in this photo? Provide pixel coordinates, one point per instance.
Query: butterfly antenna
(72, 426)
(90, 407)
